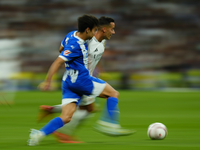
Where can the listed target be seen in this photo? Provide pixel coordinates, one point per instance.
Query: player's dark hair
(105, 21)
(87, 21)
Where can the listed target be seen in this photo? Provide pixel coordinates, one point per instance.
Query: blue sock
(111, 111)
(52, 125)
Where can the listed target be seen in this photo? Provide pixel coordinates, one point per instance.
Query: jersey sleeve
(69, 53)
(64, 41)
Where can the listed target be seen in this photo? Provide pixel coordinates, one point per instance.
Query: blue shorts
(72, 92)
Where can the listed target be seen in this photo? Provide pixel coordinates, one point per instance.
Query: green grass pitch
(179, 111)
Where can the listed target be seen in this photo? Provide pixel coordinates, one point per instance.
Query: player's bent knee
(115, 94)
(66, 119)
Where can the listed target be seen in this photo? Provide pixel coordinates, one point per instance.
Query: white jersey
(95, 52)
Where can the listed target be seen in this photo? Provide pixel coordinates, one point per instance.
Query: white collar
(81, 40)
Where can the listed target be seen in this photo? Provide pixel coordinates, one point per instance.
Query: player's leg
(54, 124)
(109, 91)
(69, 104)
(109, 120)
(65, 117)
(66, 133)
(46, 112)
(111, 110)
(104, 90)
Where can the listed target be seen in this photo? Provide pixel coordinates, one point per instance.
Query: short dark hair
(87, 21)
(105, 21)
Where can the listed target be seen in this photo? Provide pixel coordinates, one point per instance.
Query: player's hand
(44, 86)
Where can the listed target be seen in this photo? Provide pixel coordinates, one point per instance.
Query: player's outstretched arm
(52, 70)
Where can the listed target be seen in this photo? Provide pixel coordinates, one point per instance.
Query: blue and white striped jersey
(75, 54)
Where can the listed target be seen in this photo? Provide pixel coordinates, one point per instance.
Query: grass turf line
(178, 111)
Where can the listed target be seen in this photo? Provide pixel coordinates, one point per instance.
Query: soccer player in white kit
(105, 124)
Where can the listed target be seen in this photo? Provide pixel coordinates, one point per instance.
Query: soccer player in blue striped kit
(105, 124)
(77, 80)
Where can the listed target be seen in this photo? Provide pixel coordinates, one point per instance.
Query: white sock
(57, 109)
(77, 118)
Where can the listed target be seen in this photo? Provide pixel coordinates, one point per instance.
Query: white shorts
(86, 100)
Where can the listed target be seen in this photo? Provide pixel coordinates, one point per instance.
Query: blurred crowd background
(156, 45)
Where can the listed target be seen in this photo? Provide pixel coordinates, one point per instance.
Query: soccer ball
(157, 131)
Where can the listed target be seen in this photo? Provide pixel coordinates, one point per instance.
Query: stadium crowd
(152, 36)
